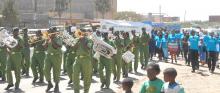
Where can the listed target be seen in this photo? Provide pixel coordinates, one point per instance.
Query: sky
(194, 9)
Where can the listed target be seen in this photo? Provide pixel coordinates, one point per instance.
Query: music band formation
(97, 52)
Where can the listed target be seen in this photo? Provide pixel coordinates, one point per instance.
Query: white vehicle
(60, 27)
(33, 31)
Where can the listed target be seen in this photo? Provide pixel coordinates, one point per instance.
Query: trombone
(46, 36)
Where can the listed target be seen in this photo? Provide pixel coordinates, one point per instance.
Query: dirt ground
(200, 82)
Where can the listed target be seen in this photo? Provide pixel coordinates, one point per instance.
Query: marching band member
(25, 54)
(117, 62)
(14, 61)
(107, 64)
(3, 59)
(95, 61)
(144, 48)
(38, 58)
(194, 43)
(135, 43)
(127, 42)
(53, 60)
(83, 63)
(70, 60)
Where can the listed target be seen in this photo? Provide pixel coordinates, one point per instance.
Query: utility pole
(35, 13)
(70, 2)
(160, 13)
(185, 16)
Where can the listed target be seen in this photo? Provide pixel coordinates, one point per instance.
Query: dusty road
(200, 82)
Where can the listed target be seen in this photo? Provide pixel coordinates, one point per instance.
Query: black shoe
(56, 89)
(9, 86)
(41, 81)
(135, 71)
(126, 75)
(3, 79)
(193, 71)
(64, 72)
(142, 66)
(130, 71)
(49, 86)
(103, 85)
(17, 88)
(34, 81)
(23, 72)
(81, 78)
(70, 82)
(114, 78)
(27, 75)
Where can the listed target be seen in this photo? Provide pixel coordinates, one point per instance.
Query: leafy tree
(129, 16)
(103, 7)
(10, 15)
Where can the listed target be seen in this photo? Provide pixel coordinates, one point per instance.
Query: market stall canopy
(120, 25)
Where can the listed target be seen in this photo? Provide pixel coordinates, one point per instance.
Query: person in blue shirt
(165, 47)
(179, 37)
(159, 45)
(194, 46)
(218, 37)
(202, 52)
(152, 46)
(172, 43)
(186, 49)
(172, 37)
(212, 52)
(205, 39)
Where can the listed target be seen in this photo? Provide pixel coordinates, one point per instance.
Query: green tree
(129, 16)
(10, 15)
(103, 6)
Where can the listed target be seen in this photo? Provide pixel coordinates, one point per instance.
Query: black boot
(103, 85)
(34, 81)
(9, 86)
(56, 89)
(70, 82)
(49, 86)
(3, 79)
(41, 81)
(114, 78)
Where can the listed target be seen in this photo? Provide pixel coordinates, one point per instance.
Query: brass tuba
(67, 38)
(102, 47)
(7, 40)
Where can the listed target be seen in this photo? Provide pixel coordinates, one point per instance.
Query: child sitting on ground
(171, 86)
(154, 84)
(127, 84)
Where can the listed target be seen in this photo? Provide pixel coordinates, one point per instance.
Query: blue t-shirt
(158, 42)
(172, 38)
(205, 39)
(179, 36)
(212, 44)
(194, 42)
(164, 43)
